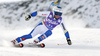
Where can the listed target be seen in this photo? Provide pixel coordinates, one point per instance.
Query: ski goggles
(57, 13)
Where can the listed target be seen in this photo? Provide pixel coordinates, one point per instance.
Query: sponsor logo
(50, 16)
(44, 14)
(59, 20)
(23, 38)
(52, 22)
(43, 37)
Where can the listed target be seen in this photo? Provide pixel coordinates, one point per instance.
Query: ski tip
(21, 45)
(42, 45)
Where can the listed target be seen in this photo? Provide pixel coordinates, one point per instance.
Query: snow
(85, 43)
(48, 51)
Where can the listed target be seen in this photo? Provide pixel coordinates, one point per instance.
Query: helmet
(57, 10)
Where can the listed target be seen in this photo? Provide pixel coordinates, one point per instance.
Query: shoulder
(51, 12)
(60, 18)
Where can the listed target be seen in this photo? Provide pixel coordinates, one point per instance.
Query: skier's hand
(27, 17)
(57, 1)
(69, 41)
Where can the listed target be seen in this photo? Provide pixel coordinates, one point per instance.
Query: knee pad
(48, 33)
(45, 35)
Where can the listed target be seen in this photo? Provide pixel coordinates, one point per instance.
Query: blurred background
(76, 13)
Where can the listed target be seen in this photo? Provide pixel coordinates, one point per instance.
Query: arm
(66, 33)
(40, 13)
(37, 13)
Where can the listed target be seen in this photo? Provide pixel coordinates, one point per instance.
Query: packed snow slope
(86, 42)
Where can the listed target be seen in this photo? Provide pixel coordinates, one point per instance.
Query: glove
(69, 41)
(27, 17)
(57, 1)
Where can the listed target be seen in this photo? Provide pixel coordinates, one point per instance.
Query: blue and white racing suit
(45, 27)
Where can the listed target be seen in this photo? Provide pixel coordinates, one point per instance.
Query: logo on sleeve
(59, 21)
(44, 14)
(50, 16)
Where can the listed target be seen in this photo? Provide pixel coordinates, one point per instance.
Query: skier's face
(56, 16)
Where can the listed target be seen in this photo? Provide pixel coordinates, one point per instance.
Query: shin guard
(45, 35)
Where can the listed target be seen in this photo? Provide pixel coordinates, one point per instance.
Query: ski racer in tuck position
(46, 26)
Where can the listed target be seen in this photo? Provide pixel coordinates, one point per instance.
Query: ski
(42, 45)
(18, 45)
(21, 45)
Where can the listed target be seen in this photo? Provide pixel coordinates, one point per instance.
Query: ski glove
(27, 17)
(69, 41)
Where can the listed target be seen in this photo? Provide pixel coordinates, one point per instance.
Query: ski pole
(25, 13)
(43, 16)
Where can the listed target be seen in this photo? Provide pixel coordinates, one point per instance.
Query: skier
(46, 26)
